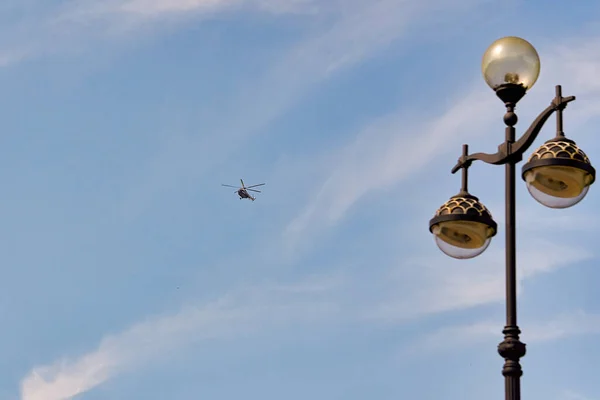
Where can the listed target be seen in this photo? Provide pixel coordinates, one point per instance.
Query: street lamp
(558, 175)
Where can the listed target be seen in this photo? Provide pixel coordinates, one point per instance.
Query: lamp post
(558, 175)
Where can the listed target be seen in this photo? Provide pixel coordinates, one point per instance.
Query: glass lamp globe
(462, 239)
(510, 60)
(558, 174)
(557, 186)
(462, 227)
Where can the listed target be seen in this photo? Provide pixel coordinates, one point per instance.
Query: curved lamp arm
(496, 159)
(525, 141)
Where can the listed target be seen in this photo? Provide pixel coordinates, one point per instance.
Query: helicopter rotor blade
(254, 190)
(260, 184)
(229, 186)
(244, 187)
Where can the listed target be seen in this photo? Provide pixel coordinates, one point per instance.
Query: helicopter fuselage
(244, 194)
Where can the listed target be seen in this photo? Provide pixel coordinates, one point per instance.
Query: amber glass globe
(558, 186)
(511, 60)
(462, 239)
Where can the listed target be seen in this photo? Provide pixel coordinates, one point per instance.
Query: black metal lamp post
(558, 175)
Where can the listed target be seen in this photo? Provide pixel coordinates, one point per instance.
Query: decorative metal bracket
(508, 151)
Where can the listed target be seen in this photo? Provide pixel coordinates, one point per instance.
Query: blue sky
(130, 273)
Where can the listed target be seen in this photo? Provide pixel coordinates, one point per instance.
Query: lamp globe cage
(463, 227)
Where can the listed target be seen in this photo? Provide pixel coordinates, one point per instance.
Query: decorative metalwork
(559, 148)
(463, 205)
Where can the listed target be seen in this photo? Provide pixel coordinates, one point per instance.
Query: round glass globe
(558, 186)
(510, 60)
(462, 239)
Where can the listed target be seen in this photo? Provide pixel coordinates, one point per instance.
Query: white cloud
(132, 13)
(438, 288)
(445, 284)
(568, 324)
(160, 7)
(356, 31)
(38, 27)
(236, 314)
(378, 157)
(149, 8)
(576, 323)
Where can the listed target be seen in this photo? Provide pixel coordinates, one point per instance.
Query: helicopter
(243, 191)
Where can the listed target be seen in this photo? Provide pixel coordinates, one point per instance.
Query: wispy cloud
(161, 7)
(454, 285)
(39, 28)
(47, 27)
(133, 12)
(378, 158)
(575, 323)
(313, 300)
(238, 313)
(354, 32)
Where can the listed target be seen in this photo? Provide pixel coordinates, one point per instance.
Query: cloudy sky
(128, 272)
